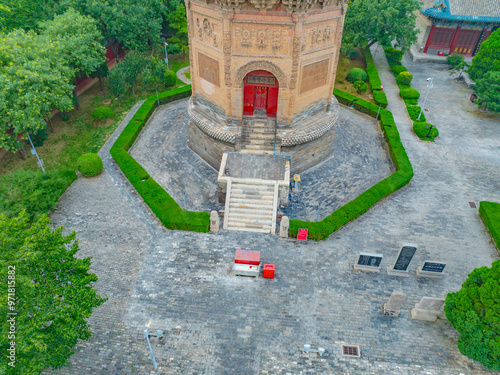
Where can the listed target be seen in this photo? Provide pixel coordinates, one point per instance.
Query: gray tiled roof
(475, 7)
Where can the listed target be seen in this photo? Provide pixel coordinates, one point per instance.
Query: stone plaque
(314, 75)
(261, 80)
(208, 69)
(393, 306)
(368, 262)
(432, 269)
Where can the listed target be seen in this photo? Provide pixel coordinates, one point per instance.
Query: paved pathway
(218, 324)
(182, 76)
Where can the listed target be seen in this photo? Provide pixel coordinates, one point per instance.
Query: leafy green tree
(101, 72)
(488, 91)
(133, 23)
(474, 312)
(36, 193)
(133, 65)
(77, 39)
(178, 22)
(33, 81)
(457, 63)
(26, 14)
(117, 83)
(54, 293)
(383, 21)
(488, 57)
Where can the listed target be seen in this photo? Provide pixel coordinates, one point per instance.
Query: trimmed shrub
(394, 56)
(89, 165)
(414, 111)
(171, 215)
(409, 93)
(422, 129)
(380, 98)
(170, 78)
(455, 60)
(411, 102)
(404, 78)
(102, 113)
(361, 204)
(396, 69)
(356, 74)
(34, 192)
(344, 97)
(371, 71)
(352, 54)
(360, 86)
(490, 214)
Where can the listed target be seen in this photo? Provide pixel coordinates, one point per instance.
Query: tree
(474, 312)
(488, 57)
(77, 40)
(101, 72)
(457, 63)
(54, 295)
(178, 22)
(26, 14)
(33, 81)
(133, 23)
(383, 21)
(488, 91)
(133, 65)
(117, 82)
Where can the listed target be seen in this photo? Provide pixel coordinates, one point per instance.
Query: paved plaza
(215, 323)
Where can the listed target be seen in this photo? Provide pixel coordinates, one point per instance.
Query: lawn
(341, 81)
(80, 134)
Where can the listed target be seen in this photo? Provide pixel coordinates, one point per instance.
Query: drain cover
(427, 110)
(472, 205)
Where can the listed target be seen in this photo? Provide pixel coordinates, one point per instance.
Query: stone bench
(468, 81)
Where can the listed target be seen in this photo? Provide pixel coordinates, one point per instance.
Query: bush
(404, 78)
(89, 165)
(371, 70)
(169, 78)
(490, 214)
(421, 129)
(161, 203)
(38, 138)
(414, 111)
(360, 86)
(394, 56)
(409, 93)
(102, 113)
(352, 54)
(380, 98)
(404, 172)
(473, 311)
(34, 192)
(356, 74)
(455, 60)
(396, 69)
(411, 102)
(174, 48)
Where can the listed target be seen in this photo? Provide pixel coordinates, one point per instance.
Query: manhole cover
(472, 205)
(427, 110)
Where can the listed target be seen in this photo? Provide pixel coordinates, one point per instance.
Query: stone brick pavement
(215, 323)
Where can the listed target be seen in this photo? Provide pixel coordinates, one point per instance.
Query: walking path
(215, 323)
(182, 76)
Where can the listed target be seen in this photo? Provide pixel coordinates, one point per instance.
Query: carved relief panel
(314, 75)
(317, 37)
(268, 41)
(208, 69)
(208, 30)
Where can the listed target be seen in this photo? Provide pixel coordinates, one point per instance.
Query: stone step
(256, 189)
(256, 147)
(243, 229)
(233, 220)
(251, 186)
(259, 206)
(260, 152)
(261, 202)
(251, 196)
(252, 211)
(238, 224)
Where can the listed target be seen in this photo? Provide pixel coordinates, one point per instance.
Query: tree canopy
(474, 312)
(488, 91)
(488, 57)
(33, 81)
(54, 293)
(383, 21)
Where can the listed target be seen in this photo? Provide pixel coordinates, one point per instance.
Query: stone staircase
(257, 136)
(251, 205)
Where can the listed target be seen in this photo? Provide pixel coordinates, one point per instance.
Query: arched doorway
(260, 94)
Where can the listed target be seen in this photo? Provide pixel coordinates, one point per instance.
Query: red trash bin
(268, 272)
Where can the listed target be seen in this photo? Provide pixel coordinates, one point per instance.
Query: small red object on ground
(302, 235)
(247, 257)
(268, 272)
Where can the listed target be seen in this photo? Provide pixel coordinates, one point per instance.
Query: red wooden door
(272, 101)
(248, 100)
(441, 38)
(466, 42)
(260, 97)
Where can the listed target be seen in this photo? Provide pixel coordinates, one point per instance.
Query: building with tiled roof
(456, 26)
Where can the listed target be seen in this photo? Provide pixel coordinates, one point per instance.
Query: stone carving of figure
(206, 27)
(276, 41)
(261, 39)
(246, 38)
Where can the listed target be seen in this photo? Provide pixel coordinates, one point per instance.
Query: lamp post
(429, 85)
(166, 55)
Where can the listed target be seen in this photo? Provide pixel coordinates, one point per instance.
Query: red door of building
(466, 42)
(260, 94)
(261, 97)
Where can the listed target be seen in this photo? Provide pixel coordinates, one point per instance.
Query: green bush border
(375, 82)
(171, 215)
(321, 230)
(490, 214)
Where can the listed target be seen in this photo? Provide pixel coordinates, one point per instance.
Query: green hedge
(404, 172)
(380, 98)
(358, 103)
(421, 129)
(371, 70)
(409, 93)
(490, 213)
(414, 111)
(161, 203)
